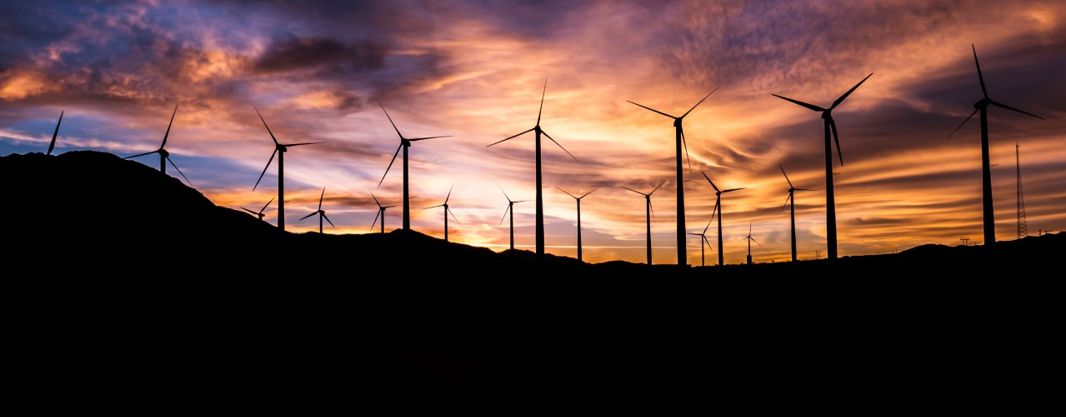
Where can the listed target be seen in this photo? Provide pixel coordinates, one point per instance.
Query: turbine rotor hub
(982, 103)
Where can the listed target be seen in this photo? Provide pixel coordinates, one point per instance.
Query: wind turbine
(704, 243)
(648, 212)
(321, 213)
(52, 144)
(164, 156)
(279, 151)
(259, 213)
(750, 239)
(510, 209)
(579, 258)
(679, 140)
(446, 212)
(986, 171)
(381, 213)
(404, 144)
(830, 126)
(718, 208)
(792, 211)
(538, 131)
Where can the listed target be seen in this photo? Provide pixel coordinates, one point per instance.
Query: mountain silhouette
(127, 279)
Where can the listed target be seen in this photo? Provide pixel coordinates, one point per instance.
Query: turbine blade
(390, 120)
(375, 200)
(505, 213)
(428, 138)
(141, 154)
(564, 192)
(998, 104)
(709, 180)
(635, 191)
(651, 207)
(52, 144)
(708, 226)
(557, 144)
(510, 137)
(807, 105)
(293, 145)
(394, 155)
(375, 219)
(708, 242)
(266, 126)
(320, 197)
(786, 176)
(165, 135)
(733, 189)
(698, 103)
(688, 158)
(449, 196)
(717, 203)
(657, 188)
(432, 207)
(542, 93)
(786, 201)
(803, 189)
(324, 216)
(309, 215)
(265, 169)
(845, 96)
(505, 194)
(836, 139)
(253, 213)
(520, 201)
(449, 210)
(266, 205)
(590, 192)
(963, 122)
(179, 170)
(980, 76)
(649, 108)
(749, 229)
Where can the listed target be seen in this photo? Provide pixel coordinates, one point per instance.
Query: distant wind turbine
(52, 144)
(447, 211)
(749, 239)
(679, 140)
(510, 209)
(405, 143)
(164, 156)
(704, 243)
(792, 212)
(578, 199)
(538, 131)
(259, 213)
(648, 212)
(321, 213)
(986, 171)
(279, 151)
(718, 208)
(381, 213)
(830, 127)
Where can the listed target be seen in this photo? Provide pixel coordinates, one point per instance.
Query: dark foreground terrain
(124, 280)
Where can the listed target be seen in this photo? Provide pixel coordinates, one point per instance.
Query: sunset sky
(474, 70)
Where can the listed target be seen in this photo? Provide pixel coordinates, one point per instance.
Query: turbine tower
(989, 215)
(164, 156)
(381, 213)
(538, 131)
(750, 239)
(259, 214)
(648, 212)
(510, 209)
(718, 208)
(679, 140)
(578, 199)
(321, 213)
(447, 211)
(1023, 229)
(279, 151)
(829, 127)
(405, 143)
(792, 208)
(704, 243)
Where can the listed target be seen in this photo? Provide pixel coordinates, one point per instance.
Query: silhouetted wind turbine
(538, 131)
(321, 213)
(259, 213)
(792, 212)
(830, 127)
(986, 171)
(381, 213)
(704, 243)
(164, 156)
(750, 239)
(404, 144)
(579, 257)
(648, 212)
(52, 144)
(279, 151)
(447, 211)
(510, 209)
(679, 140)
(718, 208)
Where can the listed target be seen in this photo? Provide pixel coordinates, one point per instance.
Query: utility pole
(965, 241)
(1022, 227)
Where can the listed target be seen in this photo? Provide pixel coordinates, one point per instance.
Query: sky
(475, 69)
